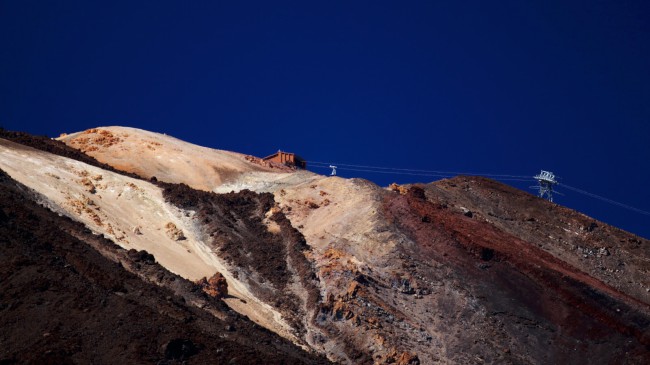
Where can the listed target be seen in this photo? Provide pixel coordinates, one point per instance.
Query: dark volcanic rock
(180, 349)
(234, 224)
(141, 256)
(235, 219)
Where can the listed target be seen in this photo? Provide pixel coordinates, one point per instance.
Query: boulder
(216, 286)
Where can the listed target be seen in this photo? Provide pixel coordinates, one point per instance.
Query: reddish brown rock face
(526, 291)
(216, 286)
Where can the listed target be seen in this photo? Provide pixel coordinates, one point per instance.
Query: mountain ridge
(412, 274)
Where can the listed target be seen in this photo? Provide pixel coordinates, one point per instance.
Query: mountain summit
(216, 244)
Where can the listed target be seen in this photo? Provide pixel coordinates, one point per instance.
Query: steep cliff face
(465, 270)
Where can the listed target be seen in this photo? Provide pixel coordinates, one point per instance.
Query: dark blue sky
(471, 86)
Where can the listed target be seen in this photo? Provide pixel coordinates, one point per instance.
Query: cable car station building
(287, 158)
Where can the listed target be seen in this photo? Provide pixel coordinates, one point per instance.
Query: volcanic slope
(611, 255)
(68, 296)
(450, 272)
(410, 272)
(134, 214)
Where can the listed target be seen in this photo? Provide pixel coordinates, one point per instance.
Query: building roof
(279, 151)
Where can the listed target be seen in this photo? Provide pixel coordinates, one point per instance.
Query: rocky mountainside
(464, 270)
(69, 296)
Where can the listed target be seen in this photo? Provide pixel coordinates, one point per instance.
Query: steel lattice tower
(546, 180)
